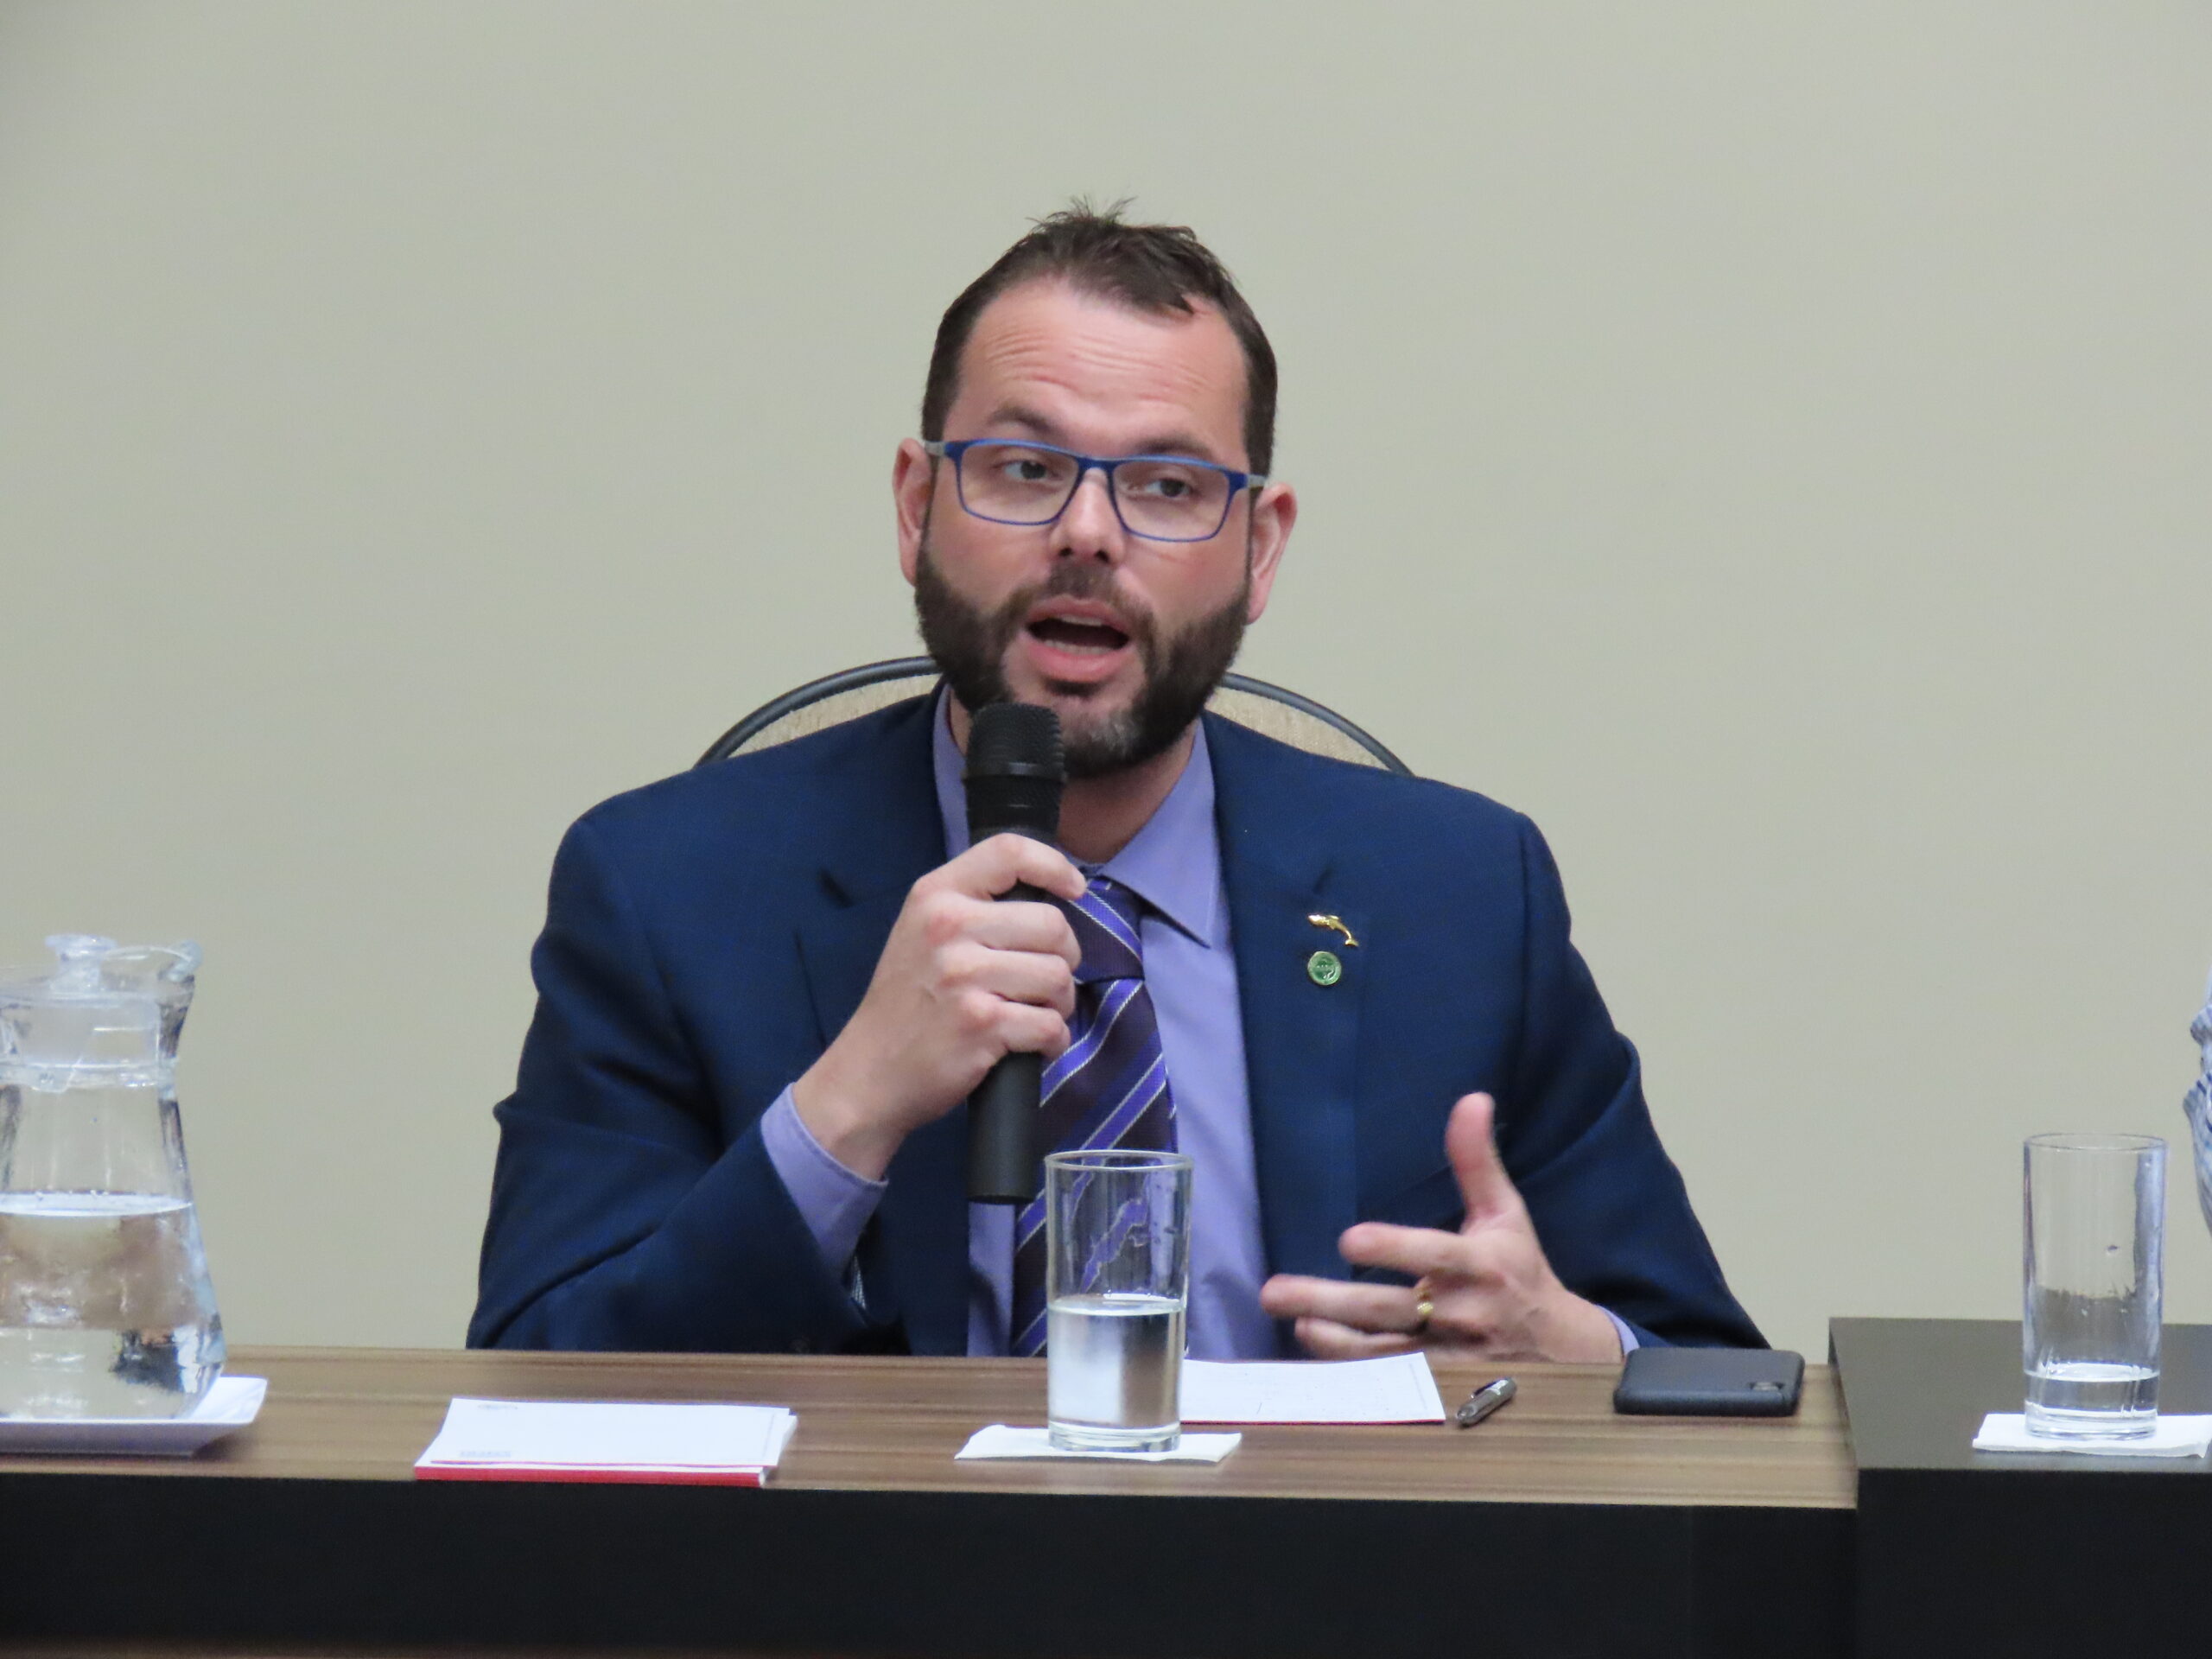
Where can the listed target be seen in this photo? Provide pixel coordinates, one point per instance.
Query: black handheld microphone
(1015, 776)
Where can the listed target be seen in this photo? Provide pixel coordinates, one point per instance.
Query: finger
(993, 867)
(1468, 1141)
(1386, 1308)
(1015, 975)
(1026, 1030)
(1413, 1250)
(1043, 928)
(1326, 1339)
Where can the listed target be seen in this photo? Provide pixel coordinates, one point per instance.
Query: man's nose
(1089, 527)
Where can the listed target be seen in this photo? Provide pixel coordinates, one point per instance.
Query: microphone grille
(1015, 740)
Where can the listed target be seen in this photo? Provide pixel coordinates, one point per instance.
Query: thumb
(1484, 1185)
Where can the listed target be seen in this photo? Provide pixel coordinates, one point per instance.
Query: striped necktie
(1109, 1088)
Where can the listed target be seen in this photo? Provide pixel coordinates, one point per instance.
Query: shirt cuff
(1629, 1344)
(834, 1202)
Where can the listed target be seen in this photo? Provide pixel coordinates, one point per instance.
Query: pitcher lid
(103, 1007)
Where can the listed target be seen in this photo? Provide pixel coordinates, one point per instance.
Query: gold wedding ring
(1424, 1307)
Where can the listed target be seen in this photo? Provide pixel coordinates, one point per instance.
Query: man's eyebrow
(1046, 431)
(1178, 443)
(1022, 415)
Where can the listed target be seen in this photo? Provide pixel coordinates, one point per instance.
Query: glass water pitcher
(106, 1306)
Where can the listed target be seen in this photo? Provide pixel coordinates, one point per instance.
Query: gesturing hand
(963, 981)
(1492, 1293)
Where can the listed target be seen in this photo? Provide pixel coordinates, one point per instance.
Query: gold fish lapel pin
(1337, 923)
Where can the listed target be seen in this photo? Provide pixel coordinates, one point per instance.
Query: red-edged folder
(693, 1444)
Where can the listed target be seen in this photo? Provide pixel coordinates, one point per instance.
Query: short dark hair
(1148, 267)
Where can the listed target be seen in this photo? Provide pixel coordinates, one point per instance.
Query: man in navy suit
(766, 988)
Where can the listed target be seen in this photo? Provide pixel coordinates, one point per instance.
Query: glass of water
(1117, 1247)
(2094, 1239)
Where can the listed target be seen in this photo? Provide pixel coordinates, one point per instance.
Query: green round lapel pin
(1326, 968)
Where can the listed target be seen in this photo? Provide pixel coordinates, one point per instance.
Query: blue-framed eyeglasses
(1160, 498)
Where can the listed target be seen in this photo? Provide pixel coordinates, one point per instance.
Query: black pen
(1484, 1400)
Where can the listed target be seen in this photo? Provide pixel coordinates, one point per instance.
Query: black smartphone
(1710, 1382)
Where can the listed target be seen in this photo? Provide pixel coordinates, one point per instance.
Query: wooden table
(1554, 1528)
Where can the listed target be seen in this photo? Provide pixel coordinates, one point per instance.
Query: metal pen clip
(1484, 1400)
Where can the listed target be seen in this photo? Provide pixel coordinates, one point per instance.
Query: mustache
(1078, 580)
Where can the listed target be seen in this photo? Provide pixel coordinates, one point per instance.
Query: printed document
(1396, 1389)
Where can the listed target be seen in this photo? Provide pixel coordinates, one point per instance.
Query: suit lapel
(1302, 1038)
(883, 833)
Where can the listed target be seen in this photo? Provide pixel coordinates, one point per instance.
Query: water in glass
(1117, 1369)
(2091, 1400)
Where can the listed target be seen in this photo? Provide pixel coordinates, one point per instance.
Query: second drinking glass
(2094, 1235)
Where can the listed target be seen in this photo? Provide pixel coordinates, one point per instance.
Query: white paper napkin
(2174, 1437)
(1000, 1440)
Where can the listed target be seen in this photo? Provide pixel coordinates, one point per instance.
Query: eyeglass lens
(1023, 484)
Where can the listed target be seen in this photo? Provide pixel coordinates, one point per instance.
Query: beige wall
(1768, 444)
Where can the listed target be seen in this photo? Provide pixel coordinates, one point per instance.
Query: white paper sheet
(2174, 1437)
(1396, 1389)
(608, 1435)
(1000, 1440)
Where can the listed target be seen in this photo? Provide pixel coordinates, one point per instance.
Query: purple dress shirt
(1174, 864)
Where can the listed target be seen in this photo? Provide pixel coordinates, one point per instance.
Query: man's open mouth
(1068, 633)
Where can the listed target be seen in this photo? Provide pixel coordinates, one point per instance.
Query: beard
(1181, 670)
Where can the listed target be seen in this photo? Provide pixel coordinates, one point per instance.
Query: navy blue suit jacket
(707, 936)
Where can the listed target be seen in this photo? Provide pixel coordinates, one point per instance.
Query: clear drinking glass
(1118, 1245)
(2093, 1244)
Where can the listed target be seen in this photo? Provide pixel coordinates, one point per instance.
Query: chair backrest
(836, 698)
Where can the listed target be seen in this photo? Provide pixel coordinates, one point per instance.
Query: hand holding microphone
(963, 981)
(1015, 774)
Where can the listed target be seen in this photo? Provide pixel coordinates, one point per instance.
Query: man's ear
(914, 482)
(1273, 514)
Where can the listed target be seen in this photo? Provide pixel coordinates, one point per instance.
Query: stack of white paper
(602, 1440)
(1396, 1389)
